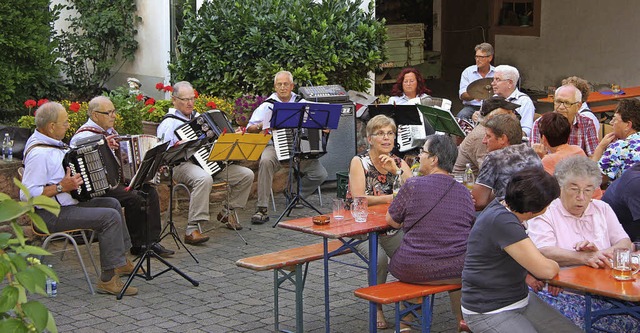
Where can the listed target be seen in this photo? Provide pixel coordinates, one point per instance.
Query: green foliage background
(28, 68)
(236, 47)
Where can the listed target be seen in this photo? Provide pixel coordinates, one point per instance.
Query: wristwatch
(59, 188)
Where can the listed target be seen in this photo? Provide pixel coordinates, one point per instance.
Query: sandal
(381, 322)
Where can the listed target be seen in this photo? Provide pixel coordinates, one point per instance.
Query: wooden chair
(68, 236)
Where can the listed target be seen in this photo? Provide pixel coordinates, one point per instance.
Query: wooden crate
(405, 45)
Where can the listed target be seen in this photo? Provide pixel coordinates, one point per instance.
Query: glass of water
(360, 209)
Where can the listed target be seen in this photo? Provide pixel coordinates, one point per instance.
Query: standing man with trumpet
(102, 116)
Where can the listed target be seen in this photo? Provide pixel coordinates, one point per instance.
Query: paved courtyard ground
(229, 298)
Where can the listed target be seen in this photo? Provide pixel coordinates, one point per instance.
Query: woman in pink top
(578, 230)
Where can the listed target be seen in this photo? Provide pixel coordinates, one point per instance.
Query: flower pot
(150, 127)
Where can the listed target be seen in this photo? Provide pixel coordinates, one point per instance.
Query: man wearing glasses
(482, 69)
(313, 172)
(102, 115)
(505, 85)
(567, 102)
(239, 178)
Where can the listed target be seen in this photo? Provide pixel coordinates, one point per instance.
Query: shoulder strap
(40, 145)
(444, 194)
(167, 116)
(89, 129)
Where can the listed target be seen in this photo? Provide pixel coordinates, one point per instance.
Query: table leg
(587, 313)
(327, 324)
(373, 278)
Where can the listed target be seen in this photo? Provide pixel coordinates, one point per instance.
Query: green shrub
(233, 47)
(29, 69)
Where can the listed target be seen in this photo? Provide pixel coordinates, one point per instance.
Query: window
(515, 17)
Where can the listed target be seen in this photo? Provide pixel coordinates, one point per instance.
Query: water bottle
(9, 150)
(415, 168)
(51, 286)
(469, 178)
(5, 146)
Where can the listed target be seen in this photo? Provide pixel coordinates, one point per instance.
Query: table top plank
(597, 282)
(346, 227)
(596, 97)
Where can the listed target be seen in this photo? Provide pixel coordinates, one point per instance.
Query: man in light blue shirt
(482, 69)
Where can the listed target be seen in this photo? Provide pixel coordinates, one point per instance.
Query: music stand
(401, 114)
(299, 116)
(171, 158)
(237, 147)
(146, 172)
(442, 120)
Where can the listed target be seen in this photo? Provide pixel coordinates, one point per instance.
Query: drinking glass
(615, 88)
(360, 209)
(625, 264)
(338, 208)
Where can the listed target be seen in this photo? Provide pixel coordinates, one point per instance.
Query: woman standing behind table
(619, 150)
(495, 297)
(372, 175)
(409, 89)
(435, 213)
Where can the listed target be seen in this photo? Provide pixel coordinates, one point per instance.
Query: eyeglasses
(186, 99)
(575, 191)
(497, 79)
(383, 134)
(565, 103)
(422, 151)
(283, 84)
(482, 57)
(108, 113)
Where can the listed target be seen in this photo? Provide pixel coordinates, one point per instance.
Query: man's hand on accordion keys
(112, 142)
(69, 182)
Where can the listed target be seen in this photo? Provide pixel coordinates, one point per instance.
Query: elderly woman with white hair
(579, 230)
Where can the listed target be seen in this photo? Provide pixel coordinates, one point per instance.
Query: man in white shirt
(505, 84)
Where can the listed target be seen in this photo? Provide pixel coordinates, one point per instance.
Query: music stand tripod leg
(170, 224)
(146, 257)
(296, 196)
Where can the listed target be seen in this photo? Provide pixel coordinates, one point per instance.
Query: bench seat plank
(392, 292)
(288, 257)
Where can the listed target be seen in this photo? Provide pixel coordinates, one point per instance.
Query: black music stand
(147, 171)
(401, 114)
(172, 157)
(298, 116)
(442, 120)
(238, 147)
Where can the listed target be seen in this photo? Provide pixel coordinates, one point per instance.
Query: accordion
(94, 161)
(131, 152)
(208, 126)
(313, 143)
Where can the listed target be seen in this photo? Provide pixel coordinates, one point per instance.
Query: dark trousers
(136, 216)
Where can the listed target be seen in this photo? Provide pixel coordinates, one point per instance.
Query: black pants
(136, 216)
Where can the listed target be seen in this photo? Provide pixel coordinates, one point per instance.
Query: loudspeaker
(341, 147)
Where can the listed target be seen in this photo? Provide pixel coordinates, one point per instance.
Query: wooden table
(597, 97)
(343, 230)
(599, 283)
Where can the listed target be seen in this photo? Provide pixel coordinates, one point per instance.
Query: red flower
(151, 110)
(30, 103)
(196, 94)
(159, 85)
(150, 101)
(139, 97)
(75, 107)
(212, 105)
(42, 101)
(167, 88)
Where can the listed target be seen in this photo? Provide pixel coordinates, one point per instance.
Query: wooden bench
(287, 266)
(402, 293)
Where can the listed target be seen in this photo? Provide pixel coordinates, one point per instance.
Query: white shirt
(43, 166)
(166, 129)
(469, 75)
(85, 134)
(526, 109)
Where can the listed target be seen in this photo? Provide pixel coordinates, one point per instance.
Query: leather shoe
(229, 220)
(195, 238)
(162, 251)
(114, 286)
(127, 269)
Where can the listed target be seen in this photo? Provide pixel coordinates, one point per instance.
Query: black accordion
(93, 159)
(313, 143)
(208, 126)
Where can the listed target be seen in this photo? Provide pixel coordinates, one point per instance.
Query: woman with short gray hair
(579, 230)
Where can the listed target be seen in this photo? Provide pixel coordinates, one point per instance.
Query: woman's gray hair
(48, 113)
(445, 149)
(578, 167)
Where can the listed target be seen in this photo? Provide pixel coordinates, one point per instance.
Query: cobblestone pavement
(229, 298)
